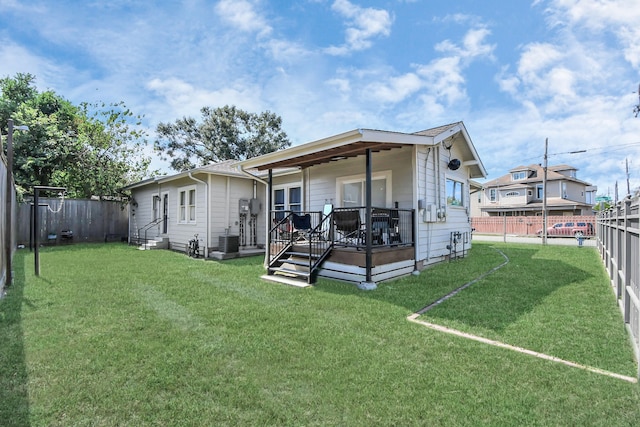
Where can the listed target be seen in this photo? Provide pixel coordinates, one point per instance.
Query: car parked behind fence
(569, 229)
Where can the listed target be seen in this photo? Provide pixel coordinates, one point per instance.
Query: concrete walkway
(567, 241)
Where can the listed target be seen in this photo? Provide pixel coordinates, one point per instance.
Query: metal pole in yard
(36, 231)
(36, 225)
(368, 231)
(9, 202)
(544, 194)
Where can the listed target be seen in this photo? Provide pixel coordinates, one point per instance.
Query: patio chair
(301, 227)
(348, 226)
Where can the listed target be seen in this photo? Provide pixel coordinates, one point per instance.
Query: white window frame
(288, 205)
(187, 208)
(361, 178)
(493, 195)
(461, 192)
(156, 205)
(518, 176)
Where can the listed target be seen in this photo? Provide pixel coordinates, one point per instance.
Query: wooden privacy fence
(618, 238)
(6, 217)
(524, 225)
(74, 220)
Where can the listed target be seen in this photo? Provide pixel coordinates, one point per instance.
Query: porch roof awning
(337, 147)
(357, 142)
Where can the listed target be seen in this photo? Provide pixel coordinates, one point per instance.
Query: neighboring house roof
(552, 202)
(357, 142)
(536, 175)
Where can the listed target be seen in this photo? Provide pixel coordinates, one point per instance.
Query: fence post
(504, 228)
(626, 261)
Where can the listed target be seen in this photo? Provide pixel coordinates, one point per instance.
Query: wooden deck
(379, 256)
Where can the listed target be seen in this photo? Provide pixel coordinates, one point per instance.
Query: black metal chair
(301, 227)
(348, 225)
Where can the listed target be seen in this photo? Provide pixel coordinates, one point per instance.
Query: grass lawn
(112, 336)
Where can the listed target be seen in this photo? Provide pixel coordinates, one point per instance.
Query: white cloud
(473, 44)
(363, 24)
(286, 50)
(242, 15)
(442, 78)
(620, 18)
(182, 98)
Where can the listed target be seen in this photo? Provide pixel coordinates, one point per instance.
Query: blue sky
(516, 72)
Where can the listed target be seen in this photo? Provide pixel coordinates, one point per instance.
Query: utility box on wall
(254, 206)
(243, 206)
(429, 214)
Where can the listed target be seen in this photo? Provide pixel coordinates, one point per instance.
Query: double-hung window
(187, 205)
(287, 199)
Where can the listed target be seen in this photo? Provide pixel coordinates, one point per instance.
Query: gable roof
(223, 168)
(536, 174)
(357, 142)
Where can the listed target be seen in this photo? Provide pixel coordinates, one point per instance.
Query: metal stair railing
(316, 244)
(145, 228)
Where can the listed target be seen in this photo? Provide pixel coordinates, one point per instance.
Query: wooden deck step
(303, 254)
(290, 272)
(300, 262)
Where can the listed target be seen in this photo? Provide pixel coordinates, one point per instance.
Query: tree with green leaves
(91, 149)
(224, 133)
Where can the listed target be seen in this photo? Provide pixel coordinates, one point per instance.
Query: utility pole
(544, 193)
(628, 187)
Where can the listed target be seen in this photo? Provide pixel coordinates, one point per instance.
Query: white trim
(287, 187)
(463, 196)
(336, 141)
(386, 174)
(187, 207)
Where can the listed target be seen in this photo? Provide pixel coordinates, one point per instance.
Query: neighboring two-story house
(521, 193)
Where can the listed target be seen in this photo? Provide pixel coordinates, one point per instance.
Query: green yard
(112, 336)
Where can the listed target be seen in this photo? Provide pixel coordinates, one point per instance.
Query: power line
(602, 149)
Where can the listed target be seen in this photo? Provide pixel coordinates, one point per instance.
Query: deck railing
(344, 227)
(390, 227)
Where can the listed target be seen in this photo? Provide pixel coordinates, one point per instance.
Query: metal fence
(618, 238)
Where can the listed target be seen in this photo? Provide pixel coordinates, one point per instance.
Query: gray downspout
(206, 203)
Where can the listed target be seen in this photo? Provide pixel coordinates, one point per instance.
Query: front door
(165, 213)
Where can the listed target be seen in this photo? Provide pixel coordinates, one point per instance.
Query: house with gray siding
(217, 203)
(367, 205)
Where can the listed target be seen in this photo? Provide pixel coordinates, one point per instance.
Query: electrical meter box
(254, 206)
(244, 206)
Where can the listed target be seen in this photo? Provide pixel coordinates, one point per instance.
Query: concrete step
(286, 281)
(156, 243)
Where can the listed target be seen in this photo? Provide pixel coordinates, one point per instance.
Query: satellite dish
(454, 164)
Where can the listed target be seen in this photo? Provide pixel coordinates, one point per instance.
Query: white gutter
(206, 203)
(252, 176)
